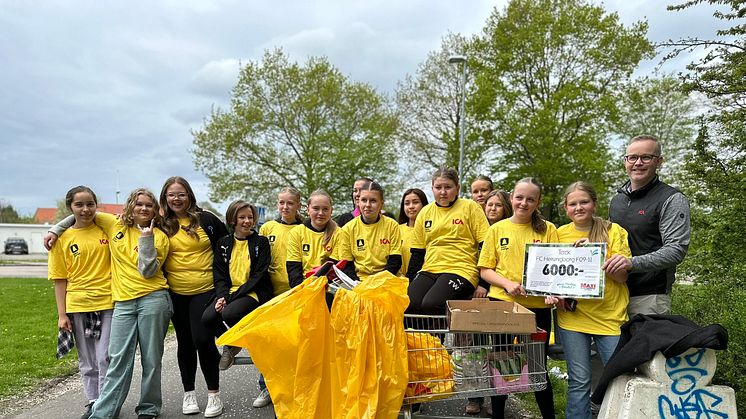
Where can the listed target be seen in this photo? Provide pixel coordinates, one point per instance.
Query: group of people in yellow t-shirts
(120, 280)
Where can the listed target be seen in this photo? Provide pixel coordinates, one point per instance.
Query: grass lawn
(28, 335)
(559, 389)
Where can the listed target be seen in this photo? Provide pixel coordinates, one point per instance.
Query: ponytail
(296, 195)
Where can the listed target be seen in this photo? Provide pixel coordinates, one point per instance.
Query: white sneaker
(214, 405)
(263, 399)
(189, 406)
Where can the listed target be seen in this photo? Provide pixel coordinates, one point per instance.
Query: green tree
(306, 126)
(9, 215)
(548, 73)
(658, 106)
(428, 105)
(62, 210)
(716, 184)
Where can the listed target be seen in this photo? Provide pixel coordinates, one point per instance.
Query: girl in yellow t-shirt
(593, 320)
(481, 186)
(412, 203)
(496, 208)
(445, 246)
(193, 235)
(313, 242)
(501, 265)
(277, 231)
(371, 243)
(81, 270)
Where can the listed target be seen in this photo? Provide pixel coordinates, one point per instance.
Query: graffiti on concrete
(692, 400)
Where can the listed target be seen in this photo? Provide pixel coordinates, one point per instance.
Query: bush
(723, 303)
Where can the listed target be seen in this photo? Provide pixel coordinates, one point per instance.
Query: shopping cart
(455, 365)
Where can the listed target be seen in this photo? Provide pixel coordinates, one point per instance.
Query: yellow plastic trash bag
(370, 357)
(430, 371)
(290, 340)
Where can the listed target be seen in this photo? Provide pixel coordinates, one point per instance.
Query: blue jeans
(262, 383)
(577, 347)
(142, 321)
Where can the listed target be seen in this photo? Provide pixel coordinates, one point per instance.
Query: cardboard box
(483, 315)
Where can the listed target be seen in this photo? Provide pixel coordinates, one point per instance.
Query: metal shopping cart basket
(444, 364)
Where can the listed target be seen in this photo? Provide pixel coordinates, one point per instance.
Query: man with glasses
(656, 216)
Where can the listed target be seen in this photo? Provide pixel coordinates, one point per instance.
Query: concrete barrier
(678, 387)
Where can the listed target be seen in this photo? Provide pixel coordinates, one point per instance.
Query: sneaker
(473, 408)
(226, 359)
(214, 405)
(88, 411)
(146, 416)
(189, 406)
(263, 399)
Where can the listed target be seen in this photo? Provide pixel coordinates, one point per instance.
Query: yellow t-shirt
(451, 237)
(406, 233)
(127, 283)
(189, 263)
(599, 317)
(369, 245)
(277, 233)
(81, 256)
(305, 246)
(504, 250)
(240, 266)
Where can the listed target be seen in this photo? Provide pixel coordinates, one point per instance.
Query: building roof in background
(47, 215)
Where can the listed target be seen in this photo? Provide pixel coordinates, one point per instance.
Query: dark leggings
(194, 339)
(429, 292)
(231, 314)
(544, 398)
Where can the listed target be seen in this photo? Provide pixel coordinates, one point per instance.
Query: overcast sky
(106, 93)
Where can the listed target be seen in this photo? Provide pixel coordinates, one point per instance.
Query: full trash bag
(370, 354)
(290, 340)
(430, 371)
(350, 364)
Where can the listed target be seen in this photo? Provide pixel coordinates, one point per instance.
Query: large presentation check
(564, 270)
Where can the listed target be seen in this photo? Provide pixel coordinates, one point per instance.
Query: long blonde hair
(296, 195)
(331, 226)
(599, 227)
(538, 223)
(128, 214)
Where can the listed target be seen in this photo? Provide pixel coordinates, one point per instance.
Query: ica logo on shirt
(458, 221)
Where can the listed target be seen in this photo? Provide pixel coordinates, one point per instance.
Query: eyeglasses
(645, 158)
(176, 195)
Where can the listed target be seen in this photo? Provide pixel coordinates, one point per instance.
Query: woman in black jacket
(240, 273)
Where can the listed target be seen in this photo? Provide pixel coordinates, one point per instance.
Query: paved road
(23, 266)
(64, 399)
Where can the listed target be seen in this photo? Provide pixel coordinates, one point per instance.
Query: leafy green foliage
(548, 74)
(658, 106)
(428, 105)
(306, 126)
(8, 214)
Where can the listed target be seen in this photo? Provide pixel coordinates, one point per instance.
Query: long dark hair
(70, 195)
(504, 198)
(171, 224)
(403, 219)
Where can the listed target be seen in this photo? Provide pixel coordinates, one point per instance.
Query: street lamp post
(460, 59)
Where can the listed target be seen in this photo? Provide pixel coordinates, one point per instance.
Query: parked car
(16, 245)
